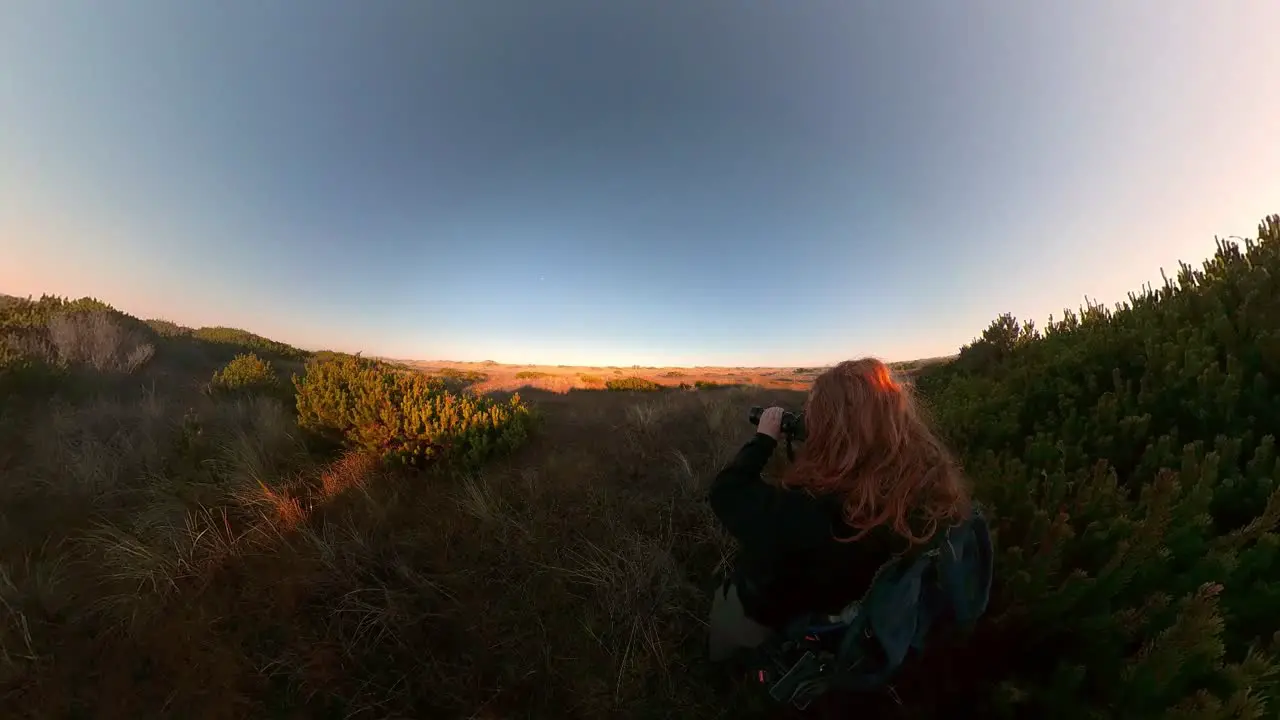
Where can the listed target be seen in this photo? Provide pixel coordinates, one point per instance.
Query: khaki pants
(731, 629)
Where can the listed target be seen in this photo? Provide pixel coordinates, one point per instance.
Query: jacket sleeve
(739, 496)
(765, 519)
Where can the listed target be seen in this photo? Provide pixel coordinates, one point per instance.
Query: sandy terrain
(562, 378)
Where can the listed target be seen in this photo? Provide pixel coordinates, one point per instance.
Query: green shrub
(706, 384)
(246, 373)
(20, 313)
(165, 328)
(406, 417)
(324, 355)
(531, 375)
(591, 379)
(245, 340)
(24, 372)
(465, 376)
(633, 383)
(1128, 459)
(673, 374)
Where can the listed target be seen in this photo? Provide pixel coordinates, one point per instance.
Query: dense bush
(591, 379)
(40, 339)
(320, 356)
(245, 340)
(405, 416)
(167, 328)
(21, 372)
(531, 375)
(467, 377)
(1128, 457)
(246, 373)
(19, 313)
(633, 383)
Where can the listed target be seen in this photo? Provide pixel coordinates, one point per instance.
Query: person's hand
(770, 422)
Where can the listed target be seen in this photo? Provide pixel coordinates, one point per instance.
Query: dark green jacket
(789, 561)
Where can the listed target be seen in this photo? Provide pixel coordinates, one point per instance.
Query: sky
(632, 181)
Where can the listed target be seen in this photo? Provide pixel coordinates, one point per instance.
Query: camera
(792, 423)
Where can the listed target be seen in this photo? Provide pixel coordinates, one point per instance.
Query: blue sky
(627, 182)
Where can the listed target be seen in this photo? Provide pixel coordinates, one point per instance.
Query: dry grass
(179, 560)
(166, 553)
(563, 378)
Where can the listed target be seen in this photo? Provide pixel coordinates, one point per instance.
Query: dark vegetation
(633, 384)
(1129, 455)
(365, 542)
(462, 377)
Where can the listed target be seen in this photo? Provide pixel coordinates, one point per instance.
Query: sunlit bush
(246, 373)
(633, 383)
(405, 416)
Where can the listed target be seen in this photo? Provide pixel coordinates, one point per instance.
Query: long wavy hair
(868, 440)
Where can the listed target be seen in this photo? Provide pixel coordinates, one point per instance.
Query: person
(870, 480)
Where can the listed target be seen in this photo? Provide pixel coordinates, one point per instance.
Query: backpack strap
(967, 569)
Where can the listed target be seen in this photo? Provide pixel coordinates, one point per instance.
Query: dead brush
(100, 340)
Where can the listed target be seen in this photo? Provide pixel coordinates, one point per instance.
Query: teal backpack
(946, 581)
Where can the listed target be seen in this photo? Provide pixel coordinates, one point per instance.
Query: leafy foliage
(245, 340)
(246, 373)
(1129, 458)
(25, 313)
(466, 377)
(20, 372)
(405, 416)
(633, 383)
(167, 328)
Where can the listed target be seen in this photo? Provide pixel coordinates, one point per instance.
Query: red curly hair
(868, 440)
